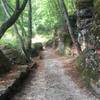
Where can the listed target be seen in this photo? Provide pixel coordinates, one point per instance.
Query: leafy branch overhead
(13, 18)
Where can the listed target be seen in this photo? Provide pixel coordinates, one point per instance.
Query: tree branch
(12, 19)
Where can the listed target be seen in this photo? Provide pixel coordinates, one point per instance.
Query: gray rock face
(89, 22)
(84, 17)
(13, 55)
(85, 13)
(8, 86)
(84, 23)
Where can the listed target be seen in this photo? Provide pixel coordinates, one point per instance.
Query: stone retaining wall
(15, 85)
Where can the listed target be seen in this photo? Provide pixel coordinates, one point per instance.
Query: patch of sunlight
(39, 38)
(9, 37)
(67, 51)
(83, 46)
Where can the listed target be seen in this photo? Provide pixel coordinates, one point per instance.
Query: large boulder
(13, 55)
(49, 43)
(38, 46)
(36, 49)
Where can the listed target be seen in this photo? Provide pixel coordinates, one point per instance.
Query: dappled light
(49, 50)
(40, 38)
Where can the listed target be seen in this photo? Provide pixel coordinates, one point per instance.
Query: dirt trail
(51, 82)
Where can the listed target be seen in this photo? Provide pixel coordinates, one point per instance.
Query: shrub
(88, 65)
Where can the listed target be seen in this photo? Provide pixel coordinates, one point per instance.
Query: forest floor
(56, 79)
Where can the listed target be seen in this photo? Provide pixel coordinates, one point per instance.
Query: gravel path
(51, 82)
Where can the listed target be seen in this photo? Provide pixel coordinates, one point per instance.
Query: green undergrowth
(12, 43)
(88, 66)
(10, 39)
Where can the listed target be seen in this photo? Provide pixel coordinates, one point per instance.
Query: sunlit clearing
(39, 38)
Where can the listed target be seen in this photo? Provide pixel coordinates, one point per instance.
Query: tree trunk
(16, 29)
(75, 42)
(13, 18)
(30, 25)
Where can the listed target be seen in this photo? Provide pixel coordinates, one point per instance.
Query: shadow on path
(51, 82)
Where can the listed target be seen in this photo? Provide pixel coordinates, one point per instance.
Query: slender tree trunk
(20, 23)
(22, 44)
(30, 25)
(16, 29)
(13, 18)
(75, 42)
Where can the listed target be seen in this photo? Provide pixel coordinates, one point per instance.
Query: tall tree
(65, 12)
(3, 2)
(29, 24)
(18, 10)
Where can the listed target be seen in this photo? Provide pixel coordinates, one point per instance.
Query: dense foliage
(59, 23)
